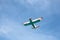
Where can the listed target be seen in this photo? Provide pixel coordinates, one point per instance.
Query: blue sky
(13, 13)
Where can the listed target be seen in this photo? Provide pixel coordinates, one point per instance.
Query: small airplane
(31, 22)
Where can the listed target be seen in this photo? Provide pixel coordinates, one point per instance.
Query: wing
(37, 20)
(27, 23)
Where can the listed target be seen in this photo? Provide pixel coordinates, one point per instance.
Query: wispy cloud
(43, 4)
(15, 31)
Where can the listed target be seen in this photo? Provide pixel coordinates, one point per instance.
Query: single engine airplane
(31, 22)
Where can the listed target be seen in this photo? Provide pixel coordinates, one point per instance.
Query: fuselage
(32, 23)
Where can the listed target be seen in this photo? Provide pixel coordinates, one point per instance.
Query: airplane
(31, 22)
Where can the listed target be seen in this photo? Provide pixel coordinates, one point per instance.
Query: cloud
(42, 4)
(14, 31)
(42, 7)
(38, 3)
(4, 30)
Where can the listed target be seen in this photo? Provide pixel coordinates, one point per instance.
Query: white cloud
(38, 2)
(15, 31)
(38, 6)
(5, 30)
(35, 3)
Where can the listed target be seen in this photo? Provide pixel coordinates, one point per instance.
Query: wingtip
(41, 18)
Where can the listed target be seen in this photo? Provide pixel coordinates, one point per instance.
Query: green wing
(36, 20)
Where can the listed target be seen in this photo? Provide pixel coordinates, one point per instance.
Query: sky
(13, 13)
